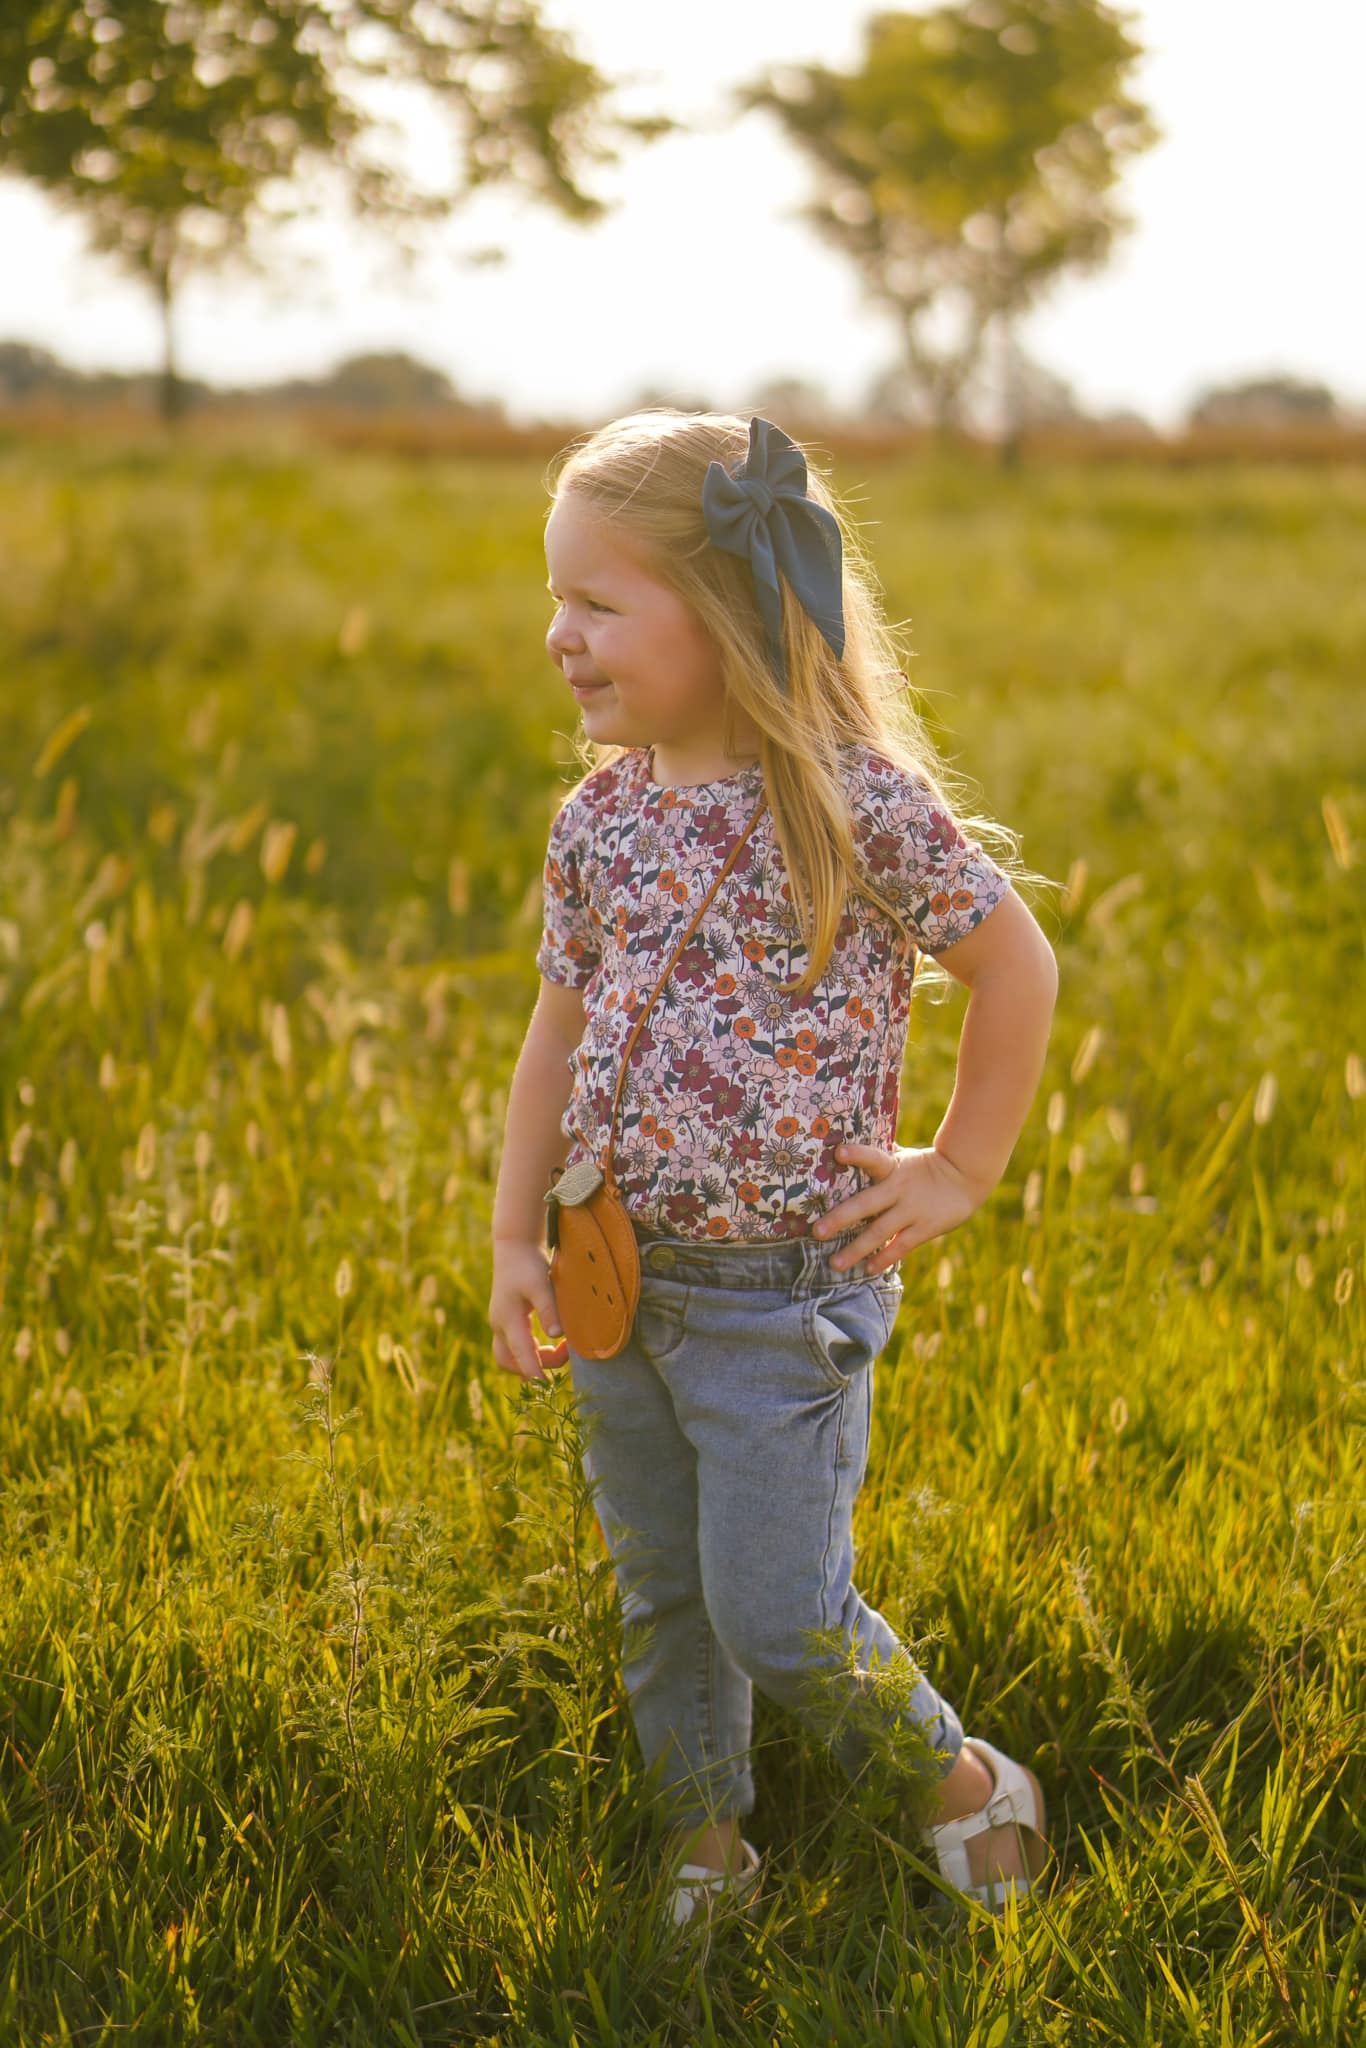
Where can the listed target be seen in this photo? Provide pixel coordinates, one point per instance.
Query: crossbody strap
(606, 1162)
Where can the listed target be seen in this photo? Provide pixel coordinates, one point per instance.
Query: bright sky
(1243, 259)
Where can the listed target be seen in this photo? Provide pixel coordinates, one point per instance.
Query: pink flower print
(671, 1032)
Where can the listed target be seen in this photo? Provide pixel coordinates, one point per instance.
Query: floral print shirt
(736, 1095)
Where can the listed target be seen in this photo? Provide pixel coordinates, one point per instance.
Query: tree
(673, 398)
(380, 380)
(796, 398)
(1265, 402)
(25, 370)
(174, 127)
(1031, 394)
(1038, 397)
(966, 165)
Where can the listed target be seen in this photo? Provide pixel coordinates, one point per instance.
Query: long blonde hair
(643, 474)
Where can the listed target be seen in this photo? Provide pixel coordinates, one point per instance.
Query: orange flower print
(718, 1226)
(939, 904)
(787, 1126)
(679, 892)
(747, 1191)
(807, 1063)
(806, 1040)
(962, 899)
(574, 948)
(665, 1140)
(744, 1027)
(820, 1127)
(611, 1002)
(786, 1056)
(753, 949)
(648, 1126)
(725, 984)
(667, 878)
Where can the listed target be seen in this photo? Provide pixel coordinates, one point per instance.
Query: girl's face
(643, 669)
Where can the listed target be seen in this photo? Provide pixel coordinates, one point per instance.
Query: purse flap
(577, 1184)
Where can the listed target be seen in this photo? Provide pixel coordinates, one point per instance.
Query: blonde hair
(643, 474)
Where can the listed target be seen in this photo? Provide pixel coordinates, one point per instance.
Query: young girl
(722, 639)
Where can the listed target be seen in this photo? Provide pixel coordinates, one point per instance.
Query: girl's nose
(560, 640)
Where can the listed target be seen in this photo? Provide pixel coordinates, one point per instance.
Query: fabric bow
(760, 511)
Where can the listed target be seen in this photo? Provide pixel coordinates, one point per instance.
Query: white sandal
(696, 1886)
(1017, 1797)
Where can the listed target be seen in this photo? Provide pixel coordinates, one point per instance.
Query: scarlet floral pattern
(736, 1095)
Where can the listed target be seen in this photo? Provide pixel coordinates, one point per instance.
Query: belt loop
(810, 1250)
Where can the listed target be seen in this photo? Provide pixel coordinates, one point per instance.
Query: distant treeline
(391, 400)
(392, 382)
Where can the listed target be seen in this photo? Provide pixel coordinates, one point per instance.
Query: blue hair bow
(760, 511)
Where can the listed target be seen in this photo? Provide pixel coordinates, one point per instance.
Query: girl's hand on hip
(521, 1284)
(917, 1194)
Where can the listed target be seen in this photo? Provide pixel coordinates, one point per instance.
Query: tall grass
(314, 1728)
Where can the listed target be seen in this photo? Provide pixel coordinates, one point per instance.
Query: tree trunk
(1010, 395)
(939, 379)
(941, 388)
(170, 394)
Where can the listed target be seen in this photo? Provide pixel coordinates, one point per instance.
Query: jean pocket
(889, 1289)
(846, 1327)
(660, 1323)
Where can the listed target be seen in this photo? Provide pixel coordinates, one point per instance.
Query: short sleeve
(569, 952)
(916, 853)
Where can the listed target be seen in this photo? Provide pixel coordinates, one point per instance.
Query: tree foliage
(967, 163)
(1265, 402)
(173, 127)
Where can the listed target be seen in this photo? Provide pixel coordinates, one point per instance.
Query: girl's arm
(538, 1097)
(533, 1143)
(1010, 969)
(919, 1193)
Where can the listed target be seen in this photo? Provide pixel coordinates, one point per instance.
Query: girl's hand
(521, 1283)
(917, 1194)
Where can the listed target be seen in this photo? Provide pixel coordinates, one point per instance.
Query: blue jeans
(726, 1445)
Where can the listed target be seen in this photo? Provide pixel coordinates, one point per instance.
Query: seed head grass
(314, 1723)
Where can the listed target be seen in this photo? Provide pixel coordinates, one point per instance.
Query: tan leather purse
(595, 1260)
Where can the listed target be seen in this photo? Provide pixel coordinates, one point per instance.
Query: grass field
(313, 1727)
